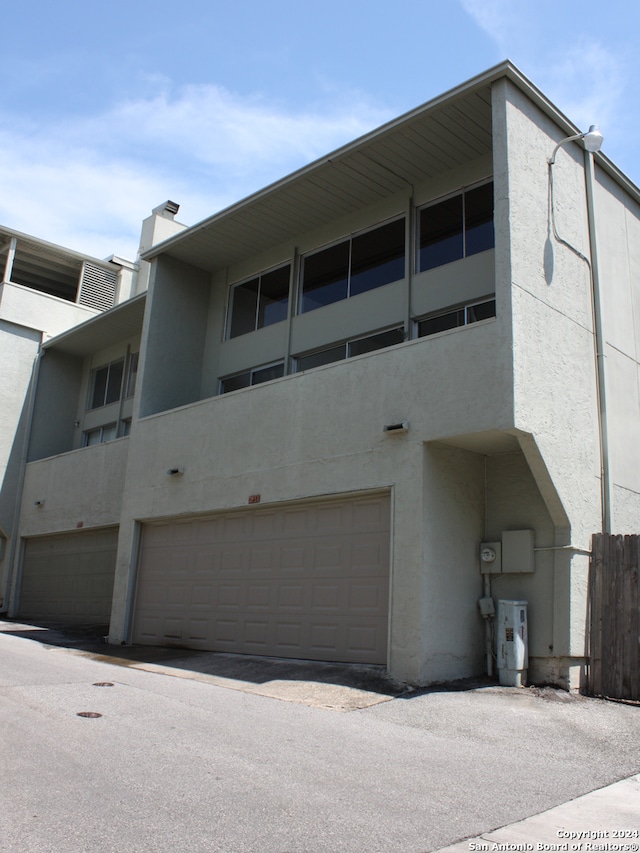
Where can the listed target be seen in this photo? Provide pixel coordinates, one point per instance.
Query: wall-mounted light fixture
(592, 139)
(174, 472)
(393, 429)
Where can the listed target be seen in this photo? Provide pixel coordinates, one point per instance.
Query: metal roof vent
(168, 209)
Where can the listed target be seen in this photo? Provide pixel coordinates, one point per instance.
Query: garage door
(305, 581)
(69, 578)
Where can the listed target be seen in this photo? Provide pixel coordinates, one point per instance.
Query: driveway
(178, 761)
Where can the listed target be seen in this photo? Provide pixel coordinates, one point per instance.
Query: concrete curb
(603, 821)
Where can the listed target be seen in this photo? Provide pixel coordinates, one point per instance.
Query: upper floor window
(106, 384)
(455, 228)
(360, 263)
(348, 349)
(259, 302)
(111, 381)
(132, 374)
(462, 316)
(252, 377)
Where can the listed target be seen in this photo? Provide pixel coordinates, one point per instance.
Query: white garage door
(305, 581)
(69, 577)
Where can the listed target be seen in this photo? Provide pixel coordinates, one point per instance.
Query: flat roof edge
(505, 69)
(81, 327)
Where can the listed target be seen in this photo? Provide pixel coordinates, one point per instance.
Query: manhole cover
(91, 714)
(103, 684)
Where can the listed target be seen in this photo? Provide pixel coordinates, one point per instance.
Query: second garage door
(69, 577)
(305, 581)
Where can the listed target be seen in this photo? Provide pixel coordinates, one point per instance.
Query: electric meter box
(517, 551)
(513, 643)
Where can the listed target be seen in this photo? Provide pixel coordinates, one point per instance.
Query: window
(132, 374)
(252, 377)
(455, 228)
(99, 435)
(354, 266)
(463, 316)
(106, 384)
(259, 302)
(359, 346)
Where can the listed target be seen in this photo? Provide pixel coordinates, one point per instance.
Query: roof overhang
(119, 323)
(446, 132)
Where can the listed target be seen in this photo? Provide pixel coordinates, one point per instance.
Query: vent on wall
(97, 286)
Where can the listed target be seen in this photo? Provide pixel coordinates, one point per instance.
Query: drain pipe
(605, 478)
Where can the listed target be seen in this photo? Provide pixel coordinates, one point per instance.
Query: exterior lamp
(592, 141)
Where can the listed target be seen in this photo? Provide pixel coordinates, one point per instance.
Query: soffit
(488, 443)
(119, 323)
(416, 148)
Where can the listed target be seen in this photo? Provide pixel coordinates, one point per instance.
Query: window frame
(251, 372)
(346, 344)
(348, 239)
(130, 375)
(90, 407)
(459, 193)
(100, 429)
(464, 307)
(247, 280)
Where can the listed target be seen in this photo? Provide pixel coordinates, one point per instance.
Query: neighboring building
(338, 388)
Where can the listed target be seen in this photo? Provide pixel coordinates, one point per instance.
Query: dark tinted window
(377, 258)
(274, 297)
(456, 228)
(244, 302)
(441, 238)
(478, 212)
(326, 275)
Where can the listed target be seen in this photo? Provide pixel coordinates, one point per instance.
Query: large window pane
(244, 302)
(99, 388)
(325, 277)
(114, 382)
(478, 215)
(441, 238)
(377, 258)
(132, 374)
(274, 297)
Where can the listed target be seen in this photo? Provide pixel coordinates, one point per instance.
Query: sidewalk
(604, 821)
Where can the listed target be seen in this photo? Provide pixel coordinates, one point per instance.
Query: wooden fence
(614, 606)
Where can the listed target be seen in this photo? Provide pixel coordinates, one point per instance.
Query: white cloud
(588, 82)
(586, 68)
(87, 182)
(495, 17)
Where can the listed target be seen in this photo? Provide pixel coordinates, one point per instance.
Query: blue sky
(107, 109)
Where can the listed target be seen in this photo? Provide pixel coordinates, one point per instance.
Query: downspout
(605, 474)
(11, 584)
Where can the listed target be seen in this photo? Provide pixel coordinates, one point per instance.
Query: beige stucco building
(337, 389)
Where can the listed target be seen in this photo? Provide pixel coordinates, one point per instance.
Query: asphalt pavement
(201, 752)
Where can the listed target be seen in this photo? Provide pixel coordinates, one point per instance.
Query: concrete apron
(333, 686)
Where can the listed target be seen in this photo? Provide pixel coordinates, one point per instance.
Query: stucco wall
(36, 310)
(322, 433)
(173, 336)
(82, 488)
(618, 246)
(453, 522)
